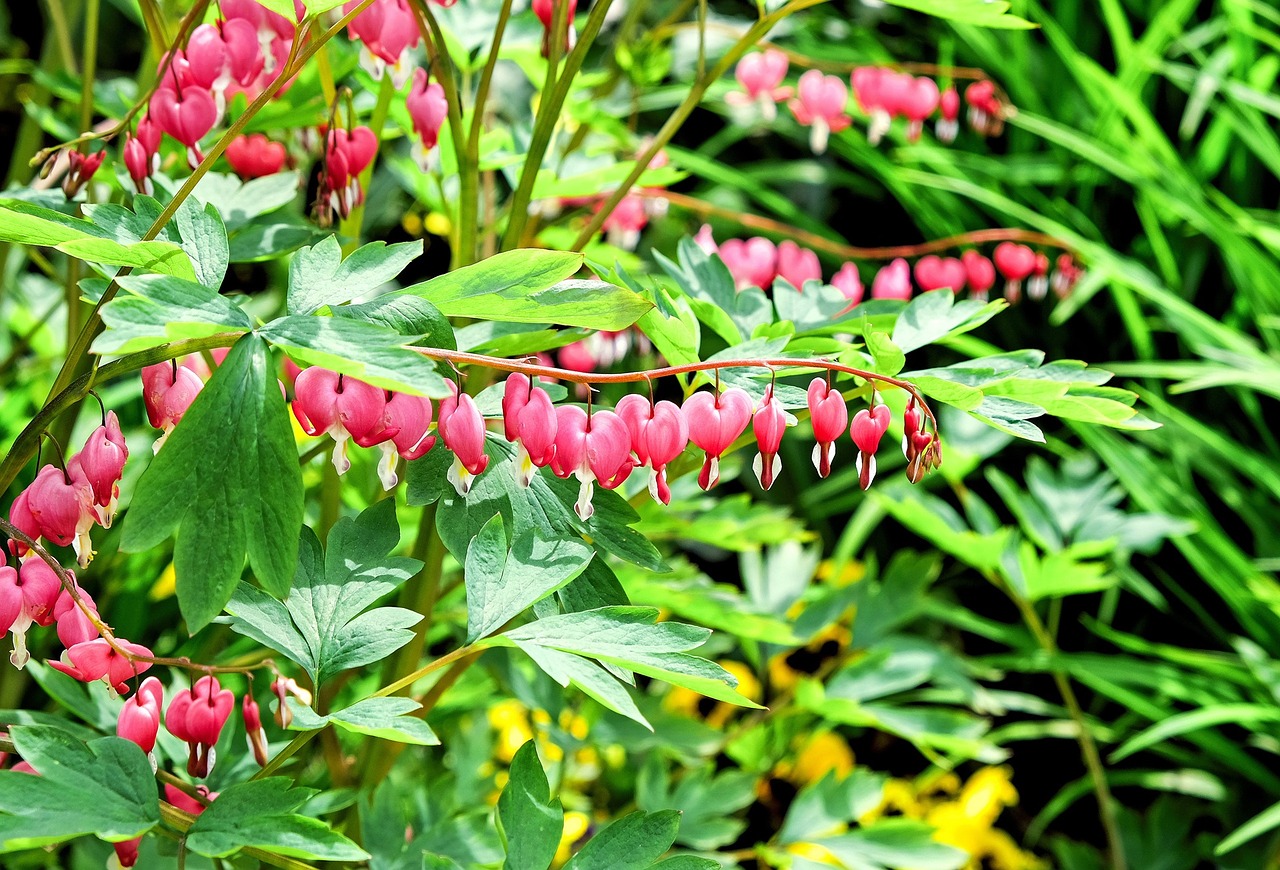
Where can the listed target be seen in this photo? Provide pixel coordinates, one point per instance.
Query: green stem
(354, 224)
(91, 10)
(547, 120)
(62, 31)
(682, 112)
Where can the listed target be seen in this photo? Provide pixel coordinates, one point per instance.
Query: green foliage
(262, 814)
(235, 441)
(531, 818)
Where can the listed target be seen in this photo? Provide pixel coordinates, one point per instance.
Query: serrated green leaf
(633, 842)
(156, 309)
(104, 787)
(262, 813)
(532, 286)
(373, 354)
(404, 314)
(936, 314)
(227, 482)
(204, 238)
(320, 276)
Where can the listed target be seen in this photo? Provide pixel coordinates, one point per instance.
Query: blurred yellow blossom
(575, 827)
(820, 754)
(687, 701)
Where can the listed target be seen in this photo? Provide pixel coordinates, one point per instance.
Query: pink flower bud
(1015, 262)
(168, 391)
(126, 853)
(139, 719)
(254, 730)
(410, 418)
(706, 240)
(138, 163)
(715, 422)
(462, 429)
(594, 448)
(892, 281)
(849, 282)
(829, 416)
(427, 108)
(980, 274)
(935, 273)
(74, 625)
(1038, 286)
(206, 55)
(186, 802)
(102, 461)
(768, 423)
(797, 265)
(753, 263)
(80, 170)
(255, 156)
(327, 403)
(867, 429)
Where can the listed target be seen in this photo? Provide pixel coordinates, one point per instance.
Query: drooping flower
(61, 505)
(980, 274)
(529, 422)
(849, 282)
(715, 422)
(829, 416)
(760, 74)
(546, 10)
(918, 103)
(659, 433)
(768, 423)
(866, 430)
(428, 109)
(102, 461)
(461, 427)
(893, 281)
(27, 596)
(255, 156)
(186, 112)
(139, 719)
(197, 717)
(74, 625)
(753, 262)
(796, 265)
(386, 30)
(820, 104)
(410, 418)
(99, 659)
(168, 390)
(80, 169)
(253, 729)
(1015, 262)
(935, 273)
(327, 403)
(985, 108)
(595, 448)
(948, 124)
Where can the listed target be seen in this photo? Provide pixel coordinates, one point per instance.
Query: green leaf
(156, 309)
(592, 679)
(530, 818)
(30, 224)
(406, 315)
(227, 482)
(104, 787)
(388, 718)
(262, 814)
(936, 314)
(502, 584)
(165, 258)
(830, 804)
(359, 349)
(633, 842)
(319, 276)
(981, 13)
(631, 638)
(889, 358)
(324, 626)
(1267, 820)
(531, 286)
(204, 238)
(239, 202)
(706, 281)
(894, 843)
(815, 308)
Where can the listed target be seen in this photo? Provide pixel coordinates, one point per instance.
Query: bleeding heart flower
(849, 282)
(197, 717)
(935, 273)
(949, 109)
(594, 448)
(61, 504)
(659, 433)
(768, 423)
(80, 170)
(27, 596)
(796, 265)
(918, 103)
(715, 422)
(753, 263)
(139, 720)
(168, 390)
(760, 74)
(545, 10)
(253, 729)
(186, 115)
(461, 427)
(820, 104)
(327, 403)
(829, 416)
(1015, 262)
(99, 660)
(892, 281)
(529, 422)
(255, 156)
(866, 430)
(74, 625)
(102, 461)
(428, 109)
(410, 418)
(980, 274)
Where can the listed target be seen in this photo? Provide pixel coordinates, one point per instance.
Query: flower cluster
(757, 262)
(595, 446)
(821, 101)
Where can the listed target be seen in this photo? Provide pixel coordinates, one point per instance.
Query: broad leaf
(157, 309)
(227, 482)
(936, 314)
(388, 718)
(502, 583)
(104, 787)
(633, 842)
(704, 278)
(324, 625)
(532, 286)
(319, 276)
(530, 818)
(204, 238)
(359, 349)
(263, 813)
(406, 315)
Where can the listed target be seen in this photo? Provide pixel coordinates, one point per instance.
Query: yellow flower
(166, 583)
(689, 702)
(412, 223)
(814, 852)
(786, 668)
(511, 720)
(438, 224)
(575, 826)
(850, 573)
(822, 753)
(987, 793)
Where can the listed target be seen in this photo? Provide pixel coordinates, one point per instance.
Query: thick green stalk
(546, 121)
(91, 10)
(753, 35)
